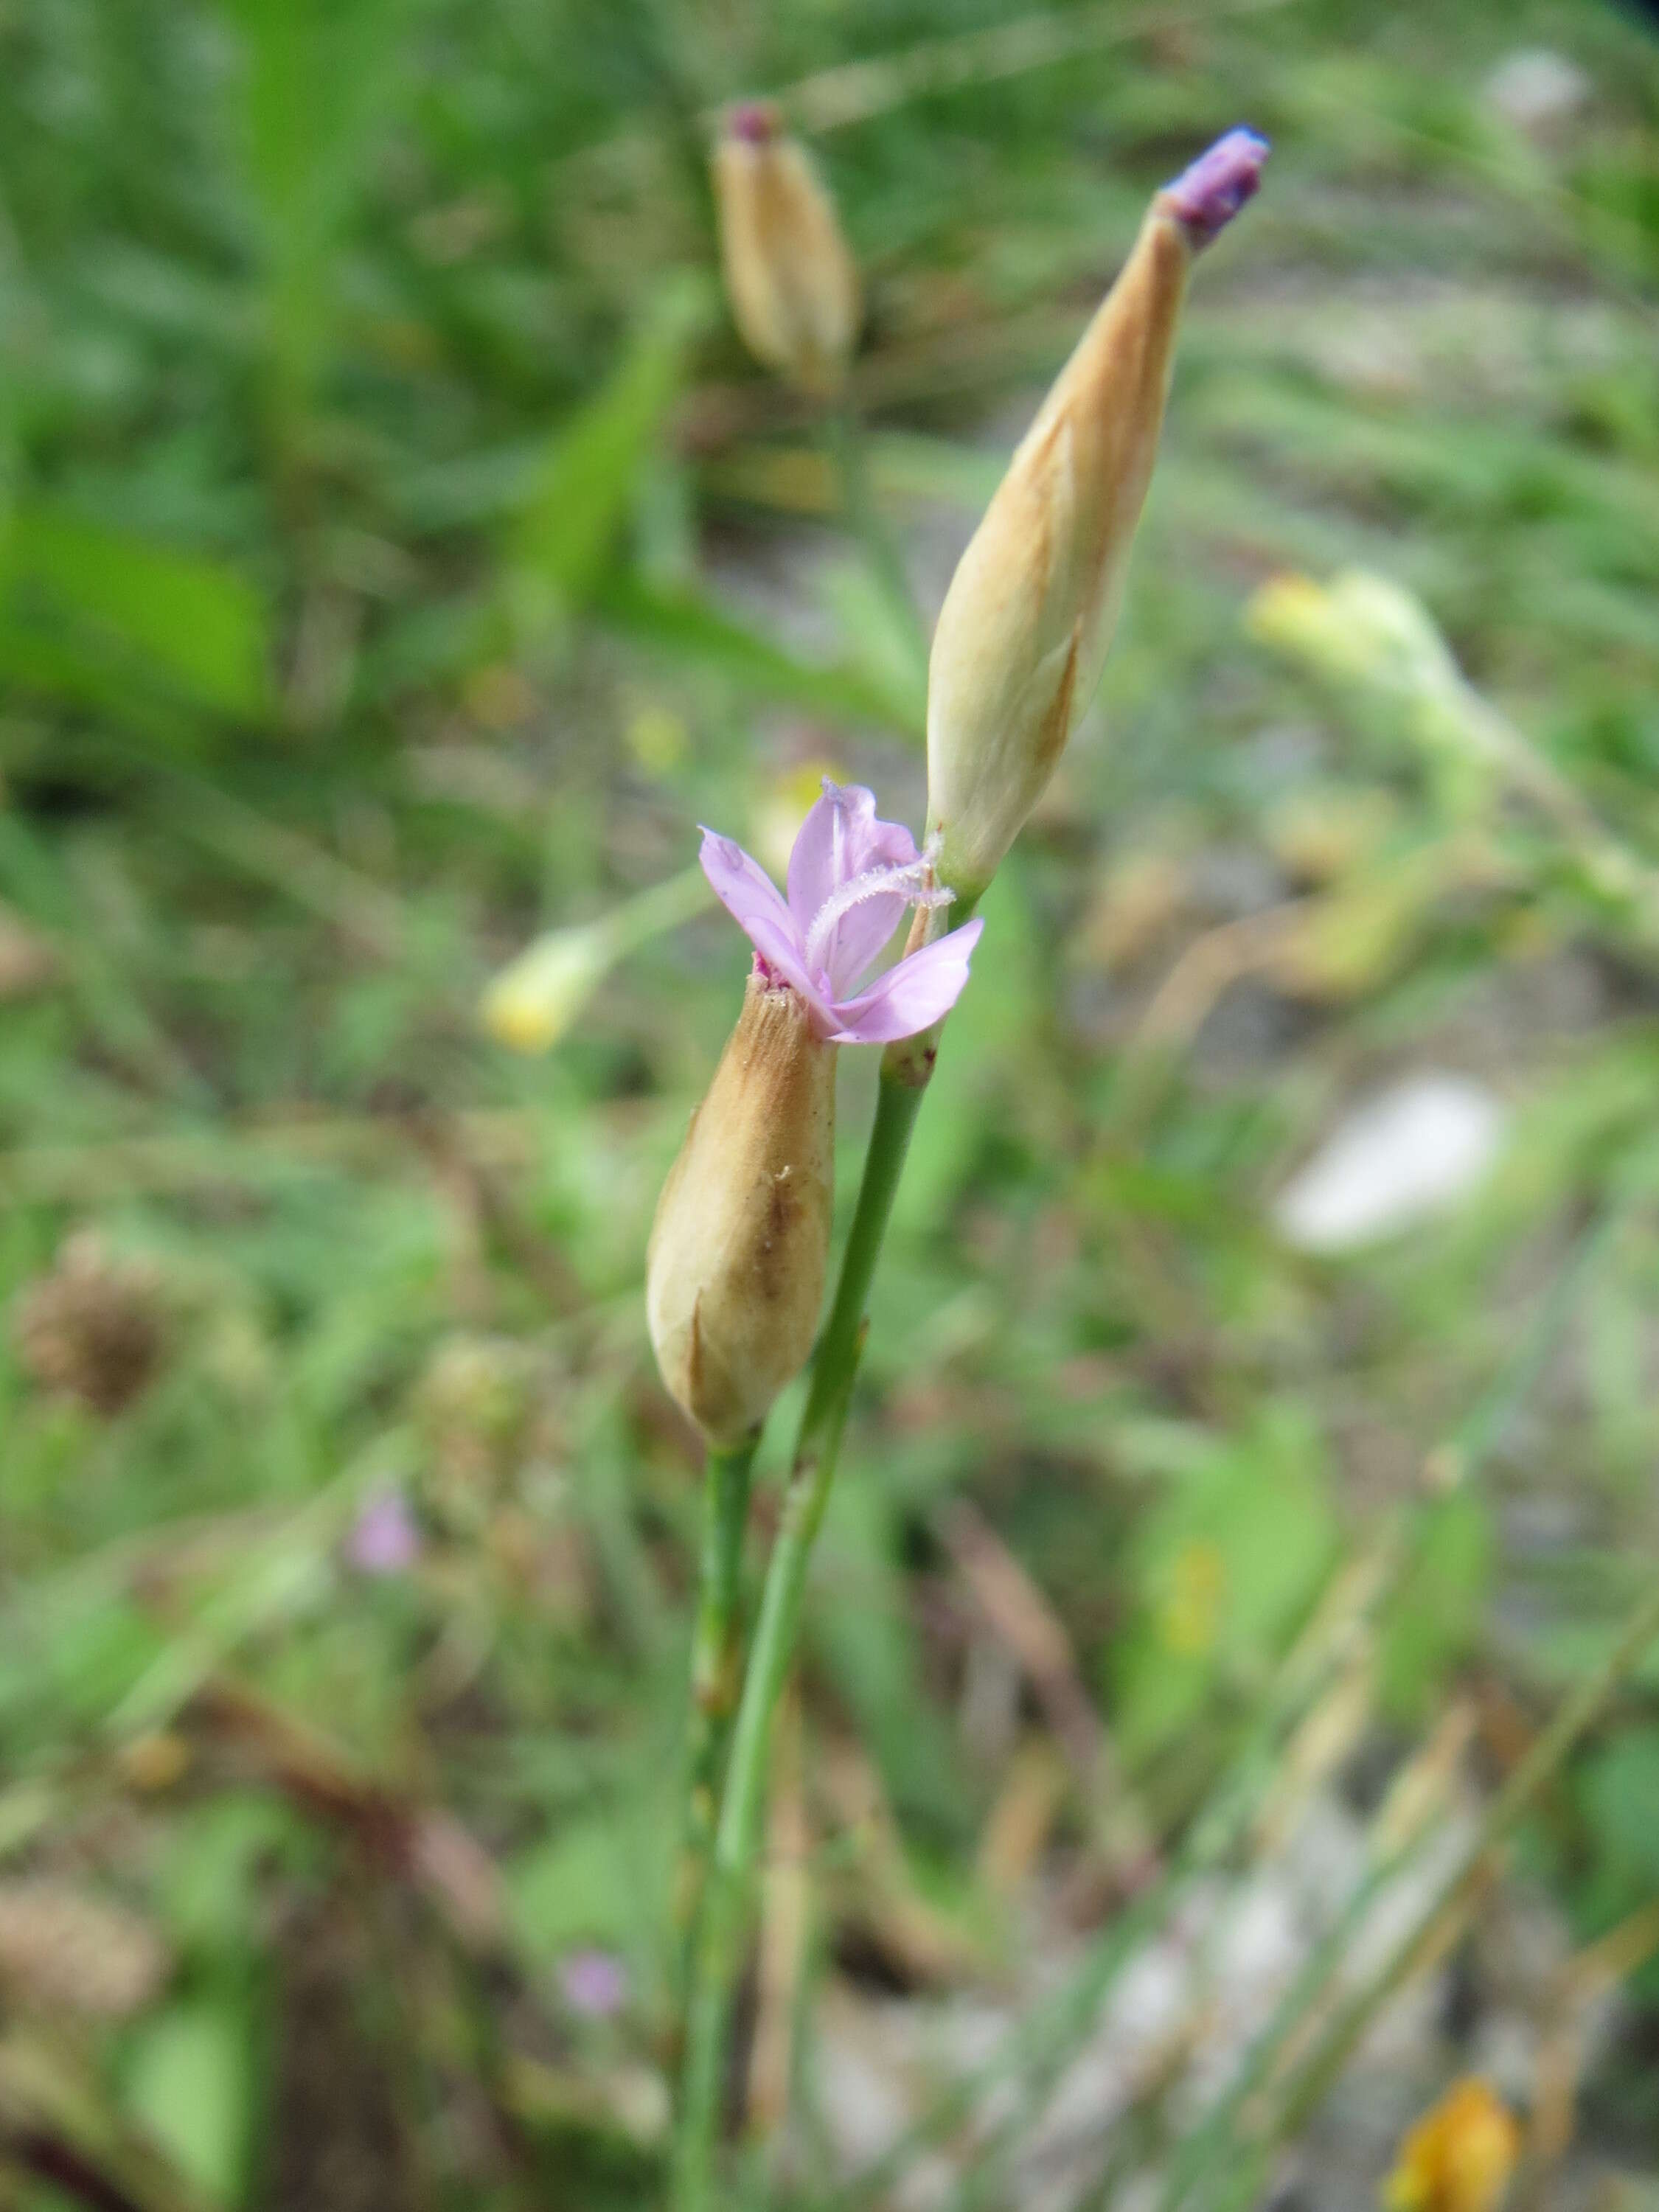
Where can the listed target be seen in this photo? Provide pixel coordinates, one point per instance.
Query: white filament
(912, 883)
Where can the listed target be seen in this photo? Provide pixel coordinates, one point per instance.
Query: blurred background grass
(399, 558)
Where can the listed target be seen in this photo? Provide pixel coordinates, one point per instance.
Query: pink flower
(851, 880)
(384, 1539)
(593, 1983)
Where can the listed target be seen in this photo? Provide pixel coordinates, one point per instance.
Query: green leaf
(185, 617)
(689, 626)
(1620, 1794)
(558, 547)
(868, 1637)
(1436, 1615)
(319, 74)
(189, 2082)
(1224, 1565)
(578, 1886)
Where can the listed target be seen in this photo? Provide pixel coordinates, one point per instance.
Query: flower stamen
(912, 882)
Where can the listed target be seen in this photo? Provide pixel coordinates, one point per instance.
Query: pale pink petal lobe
(819, 842)
(914, 994)
(741, 885)
(842, 838)
(860, 934)
(875, 844)
(754, 903)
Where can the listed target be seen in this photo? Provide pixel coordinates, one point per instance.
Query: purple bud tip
(755, 121)
(1208, 195)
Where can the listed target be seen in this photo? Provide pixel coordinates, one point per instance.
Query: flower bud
(533, 1000)
(791, 283)
(542, 993)
(1026, 623)
(1360, 627)
(734, 1273)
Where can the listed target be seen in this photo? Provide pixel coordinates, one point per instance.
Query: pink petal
(754, 903)
(819, 842)
(384, 1539)
(841, 838)
(859, 935)
(915, 993)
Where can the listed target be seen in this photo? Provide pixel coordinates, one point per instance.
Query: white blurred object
(1410, 1151)
(1538, 90)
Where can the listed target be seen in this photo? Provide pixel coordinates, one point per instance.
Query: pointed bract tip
(1206, 195)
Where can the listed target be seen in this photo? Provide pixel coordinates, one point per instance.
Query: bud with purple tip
(791, 283)
(1026, 623)
(1208, 194)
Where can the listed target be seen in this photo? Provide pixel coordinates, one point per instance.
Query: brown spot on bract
(1051, 741)
(780, 1208)
(694, 1347)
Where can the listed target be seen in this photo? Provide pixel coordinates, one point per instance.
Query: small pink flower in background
(852, 879)
(384, 1538)
(593, 1983)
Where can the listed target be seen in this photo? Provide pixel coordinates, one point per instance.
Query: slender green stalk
(722, 1933)
(716, 1655)
(657, 910)
(717, 1951)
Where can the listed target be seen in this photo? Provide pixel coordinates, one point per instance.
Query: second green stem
(716, 1654)
(721, 1934)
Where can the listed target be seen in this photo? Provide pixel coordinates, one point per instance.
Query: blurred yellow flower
(1190, 1617)
(541, 994)
(1359, 627)
(1460, 2155)
(154, 1762)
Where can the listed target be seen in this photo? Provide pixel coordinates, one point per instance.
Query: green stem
(716, 1655)
(722, 1934)
(657, 910)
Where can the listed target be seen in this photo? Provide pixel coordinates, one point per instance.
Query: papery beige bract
(1026, 623)
(791, 283)
(734, 1273)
